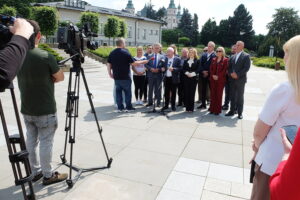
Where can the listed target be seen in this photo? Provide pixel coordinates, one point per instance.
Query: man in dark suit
(205, 62)
(239, 65)
(154, 68)
(171, 70)
(184, 57)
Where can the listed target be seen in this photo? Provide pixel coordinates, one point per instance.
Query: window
(130, 32)
(156, 32)
(145, 34)
(138, 34)
(151, 32)
(174, 21)
(101, 31)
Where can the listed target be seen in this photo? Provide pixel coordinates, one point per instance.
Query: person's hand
(21, 27)
(171, 69)
(163, 69)
(111, 76)
(215, 77)
(254, 148)
(234, 75)
(286, 144)
(151, 69)
(253, 158)
(205, 74)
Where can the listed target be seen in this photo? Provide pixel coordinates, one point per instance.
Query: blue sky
(261, 10)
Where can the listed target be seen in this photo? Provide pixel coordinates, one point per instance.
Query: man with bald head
(239, 65)
(171, 68)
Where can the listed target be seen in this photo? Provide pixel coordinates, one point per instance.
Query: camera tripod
(17, 158)
(72, 107)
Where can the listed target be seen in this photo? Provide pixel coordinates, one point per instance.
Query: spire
(172, 4)
(129, 5)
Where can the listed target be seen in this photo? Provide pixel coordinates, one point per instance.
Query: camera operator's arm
(57, 73)
(58, 76)
(141, 62)
(13, 54)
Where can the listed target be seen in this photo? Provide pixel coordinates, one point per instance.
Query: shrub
(267, 62)
(185, 41)
(105, 51)
(46, 47)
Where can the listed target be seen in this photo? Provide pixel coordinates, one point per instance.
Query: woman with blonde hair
(217, 79)
(139, 76)
(282, 108)
(190, 70)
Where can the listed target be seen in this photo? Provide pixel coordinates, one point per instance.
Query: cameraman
(36, 83)
(13, 54)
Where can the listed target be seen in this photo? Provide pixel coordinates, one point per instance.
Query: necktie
(155, 58)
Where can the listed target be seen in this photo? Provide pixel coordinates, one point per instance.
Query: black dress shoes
(165, 108)
(149, 104)
(240, 116)
(201, 106)
(225, 107)
(230, 113)
(173, 108)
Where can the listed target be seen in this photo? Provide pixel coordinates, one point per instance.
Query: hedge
(47, 48)
(267, 62)
(104, 52)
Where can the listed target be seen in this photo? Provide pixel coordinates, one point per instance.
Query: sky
(261, 10)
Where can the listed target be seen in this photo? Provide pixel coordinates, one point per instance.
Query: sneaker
(37, 177)
(121, 110)
(137, 102)
(141, 102)
(55, 178)
(130, 109)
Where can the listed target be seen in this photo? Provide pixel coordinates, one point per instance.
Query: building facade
(141, 30)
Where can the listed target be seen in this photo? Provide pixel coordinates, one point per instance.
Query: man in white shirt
(172, 68)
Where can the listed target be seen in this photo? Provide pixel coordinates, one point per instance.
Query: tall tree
(171, 36)
(223, 37)
(150, 12)
(111, 28)
(209, 31)
(285, 24)
(241, 25)
(92, 19)
(186, 24)
(195, 31)
(47, 19)
(23, 7)
(161, 14)
(123, 28)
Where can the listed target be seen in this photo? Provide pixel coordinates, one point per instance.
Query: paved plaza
(184, 157)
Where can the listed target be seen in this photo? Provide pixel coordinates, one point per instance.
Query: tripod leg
(89, 94)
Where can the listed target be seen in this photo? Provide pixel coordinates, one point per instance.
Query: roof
(172, 4)
(108, 11)
(130, 5)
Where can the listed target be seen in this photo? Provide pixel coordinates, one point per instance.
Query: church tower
(130, 7)
(172, 16)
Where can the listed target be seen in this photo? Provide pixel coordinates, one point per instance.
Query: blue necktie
(155, 57)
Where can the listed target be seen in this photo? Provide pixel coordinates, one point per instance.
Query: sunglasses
(219, 51)
(205, 50)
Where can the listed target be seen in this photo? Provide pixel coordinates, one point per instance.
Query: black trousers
(139, 82)
(170, 91)
(227, 92)
(205, 86)
(237, 89)
(146, 89)
(181, 90)
(190, 85)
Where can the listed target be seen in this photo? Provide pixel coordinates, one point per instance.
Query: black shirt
(120, 59)
(11, 58)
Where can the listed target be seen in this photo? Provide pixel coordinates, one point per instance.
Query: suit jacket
(205, 62)
(150, 64)
(219, 69)
(177, 69)
(241, 67)
(194, 68)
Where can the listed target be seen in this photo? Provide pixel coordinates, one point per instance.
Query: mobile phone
(291, 132)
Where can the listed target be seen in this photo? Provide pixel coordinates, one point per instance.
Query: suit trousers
(205, 87)
(181, 90)
(216, 94)
(190, 85)
(155, 84)
(170, 91)
(227, 93)
(237, 89)
(200, 91)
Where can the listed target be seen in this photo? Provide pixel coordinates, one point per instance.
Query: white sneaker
(137, 102)
(141, 102)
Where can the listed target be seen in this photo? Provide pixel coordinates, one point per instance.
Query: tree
(223, 34)
(285, 24)
(9, 11)
(47, 19)
(92, 19)
(195, 31)
(23, 7)
(150, 12)
(111, 28)
(123, 28)
(186, 24)
(209, 31)
(241, 25)
(161, 14)
(170, 36)
(185, 41)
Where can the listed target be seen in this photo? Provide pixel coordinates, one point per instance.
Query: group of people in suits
(180, 75)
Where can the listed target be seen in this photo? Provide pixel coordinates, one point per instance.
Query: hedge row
(104, 52)
(267, 62)
(47, 48)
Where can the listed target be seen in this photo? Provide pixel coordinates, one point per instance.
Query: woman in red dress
(218, 71)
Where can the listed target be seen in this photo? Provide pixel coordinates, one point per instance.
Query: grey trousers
(154, 82)
(40, 129)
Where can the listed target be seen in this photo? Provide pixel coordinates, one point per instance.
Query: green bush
(46, 47)
(105, 51)
(267, 62)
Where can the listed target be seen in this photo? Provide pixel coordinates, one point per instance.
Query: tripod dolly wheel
(63, 159)
(69, 183)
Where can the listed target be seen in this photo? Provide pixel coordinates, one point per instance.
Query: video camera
(74, 40)
(6, 35)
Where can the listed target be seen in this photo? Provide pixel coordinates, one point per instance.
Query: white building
(141, 30)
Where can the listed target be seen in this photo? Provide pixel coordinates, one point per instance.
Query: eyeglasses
(219, 51)
(204, 50)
